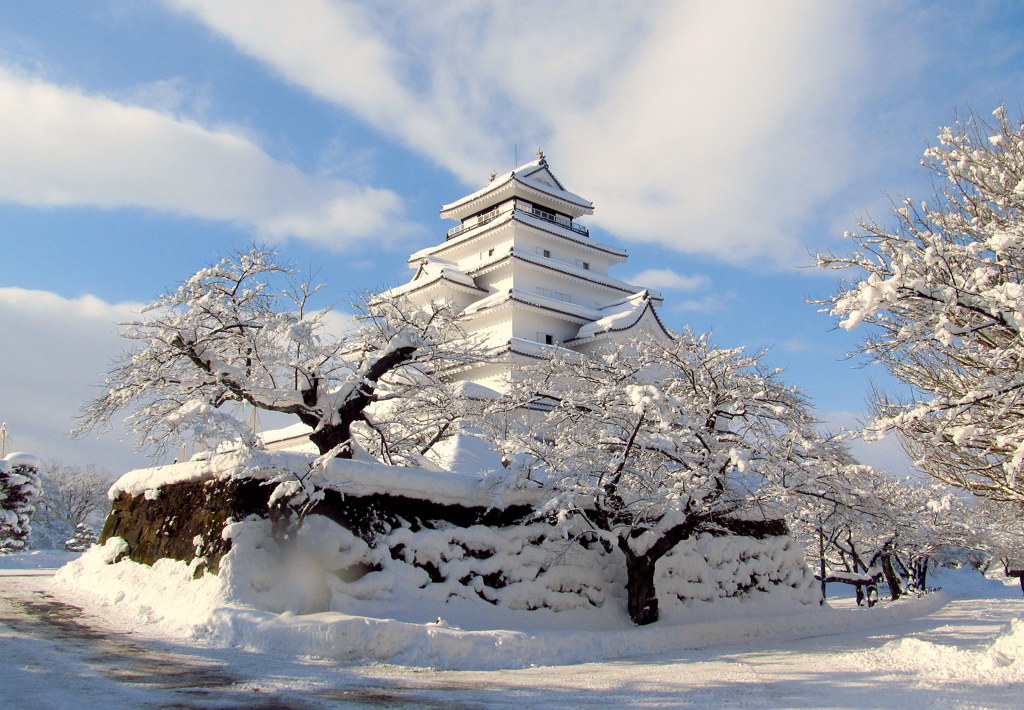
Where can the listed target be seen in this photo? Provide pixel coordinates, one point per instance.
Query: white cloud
(55, 351)
(705, 304)
(706, 127)
(334, 51)
(60, 147)
(668, 279)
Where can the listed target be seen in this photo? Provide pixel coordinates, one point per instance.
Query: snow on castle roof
(535, 175)
(620, 315)
(433, 270)
(616, 254)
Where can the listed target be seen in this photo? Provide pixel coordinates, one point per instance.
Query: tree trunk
(872, 594)
(919, 574)
(891, 578)
(329, 437)
(640, 592)
(642, 599)
(821, 565)
(352, 410)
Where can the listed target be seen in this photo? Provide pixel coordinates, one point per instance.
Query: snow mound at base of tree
(234, 609)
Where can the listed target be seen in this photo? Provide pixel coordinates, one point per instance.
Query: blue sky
(721, 142)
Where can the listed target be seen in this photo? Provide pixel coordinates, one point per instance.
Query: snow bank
(428, 632)
(372, 582)
(1002, 662)
(359, 478)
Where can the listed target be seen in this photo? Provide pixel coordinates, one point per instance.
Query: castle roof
(516, 215)
(531, 181)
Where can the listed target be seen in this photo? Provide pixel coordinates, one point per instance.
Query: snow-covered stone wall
(418, 543)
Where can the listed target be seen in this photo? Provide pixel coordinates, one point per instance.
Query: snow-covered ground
(65, 649)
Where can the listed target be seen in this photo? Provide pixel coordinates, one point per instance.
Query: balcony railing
(491, 215)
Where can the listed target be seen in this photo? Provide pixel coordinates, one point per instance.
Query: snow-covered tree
(943, 290)
(863, 525)
(413, 413)
(644, 444)
(82, 539)
(828, 498)
(244, 332)
(71, 495)
(19, 488)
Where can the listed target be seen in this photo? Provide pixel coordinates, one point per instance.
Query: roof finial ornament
(541, 158)
(494, 174)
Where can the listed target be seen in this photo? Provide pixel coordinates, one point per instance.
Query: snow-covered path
(53, 655)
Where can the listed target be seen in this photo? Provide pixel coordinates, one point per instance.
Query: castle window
(544, 214)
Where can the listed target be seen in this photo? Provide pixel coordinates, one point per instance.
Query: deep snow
(947, 650)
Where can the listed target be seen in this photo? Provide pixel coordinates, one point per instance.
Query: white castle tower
(527, 274)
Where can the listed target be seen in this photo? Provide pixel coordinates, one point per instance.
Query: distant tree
(19, 488)
(82, 539)
(71, 495)
(645, 444)
(864, 525)
(243, 332)
(944, 293)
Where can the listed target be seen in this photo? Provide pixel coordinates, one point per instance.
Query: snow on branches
(943, 291)
(244, 332)
(19, 489)
(650, 442)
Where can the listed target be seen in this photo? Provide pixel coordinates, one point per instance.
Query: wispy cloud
(60, 146)
(56, 350)
(663, 117)
(705, 304)
(668, 279)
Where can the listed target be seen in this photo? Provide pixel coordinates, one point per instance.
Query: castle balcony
(523, 208)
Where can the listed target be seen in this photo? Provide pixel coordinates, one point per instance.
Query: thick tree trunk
(891, 578)
(642, 597)
(329, 437)
(352, 410)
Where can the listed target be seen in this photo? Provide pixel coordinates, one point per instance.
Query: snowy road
(55, 655)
